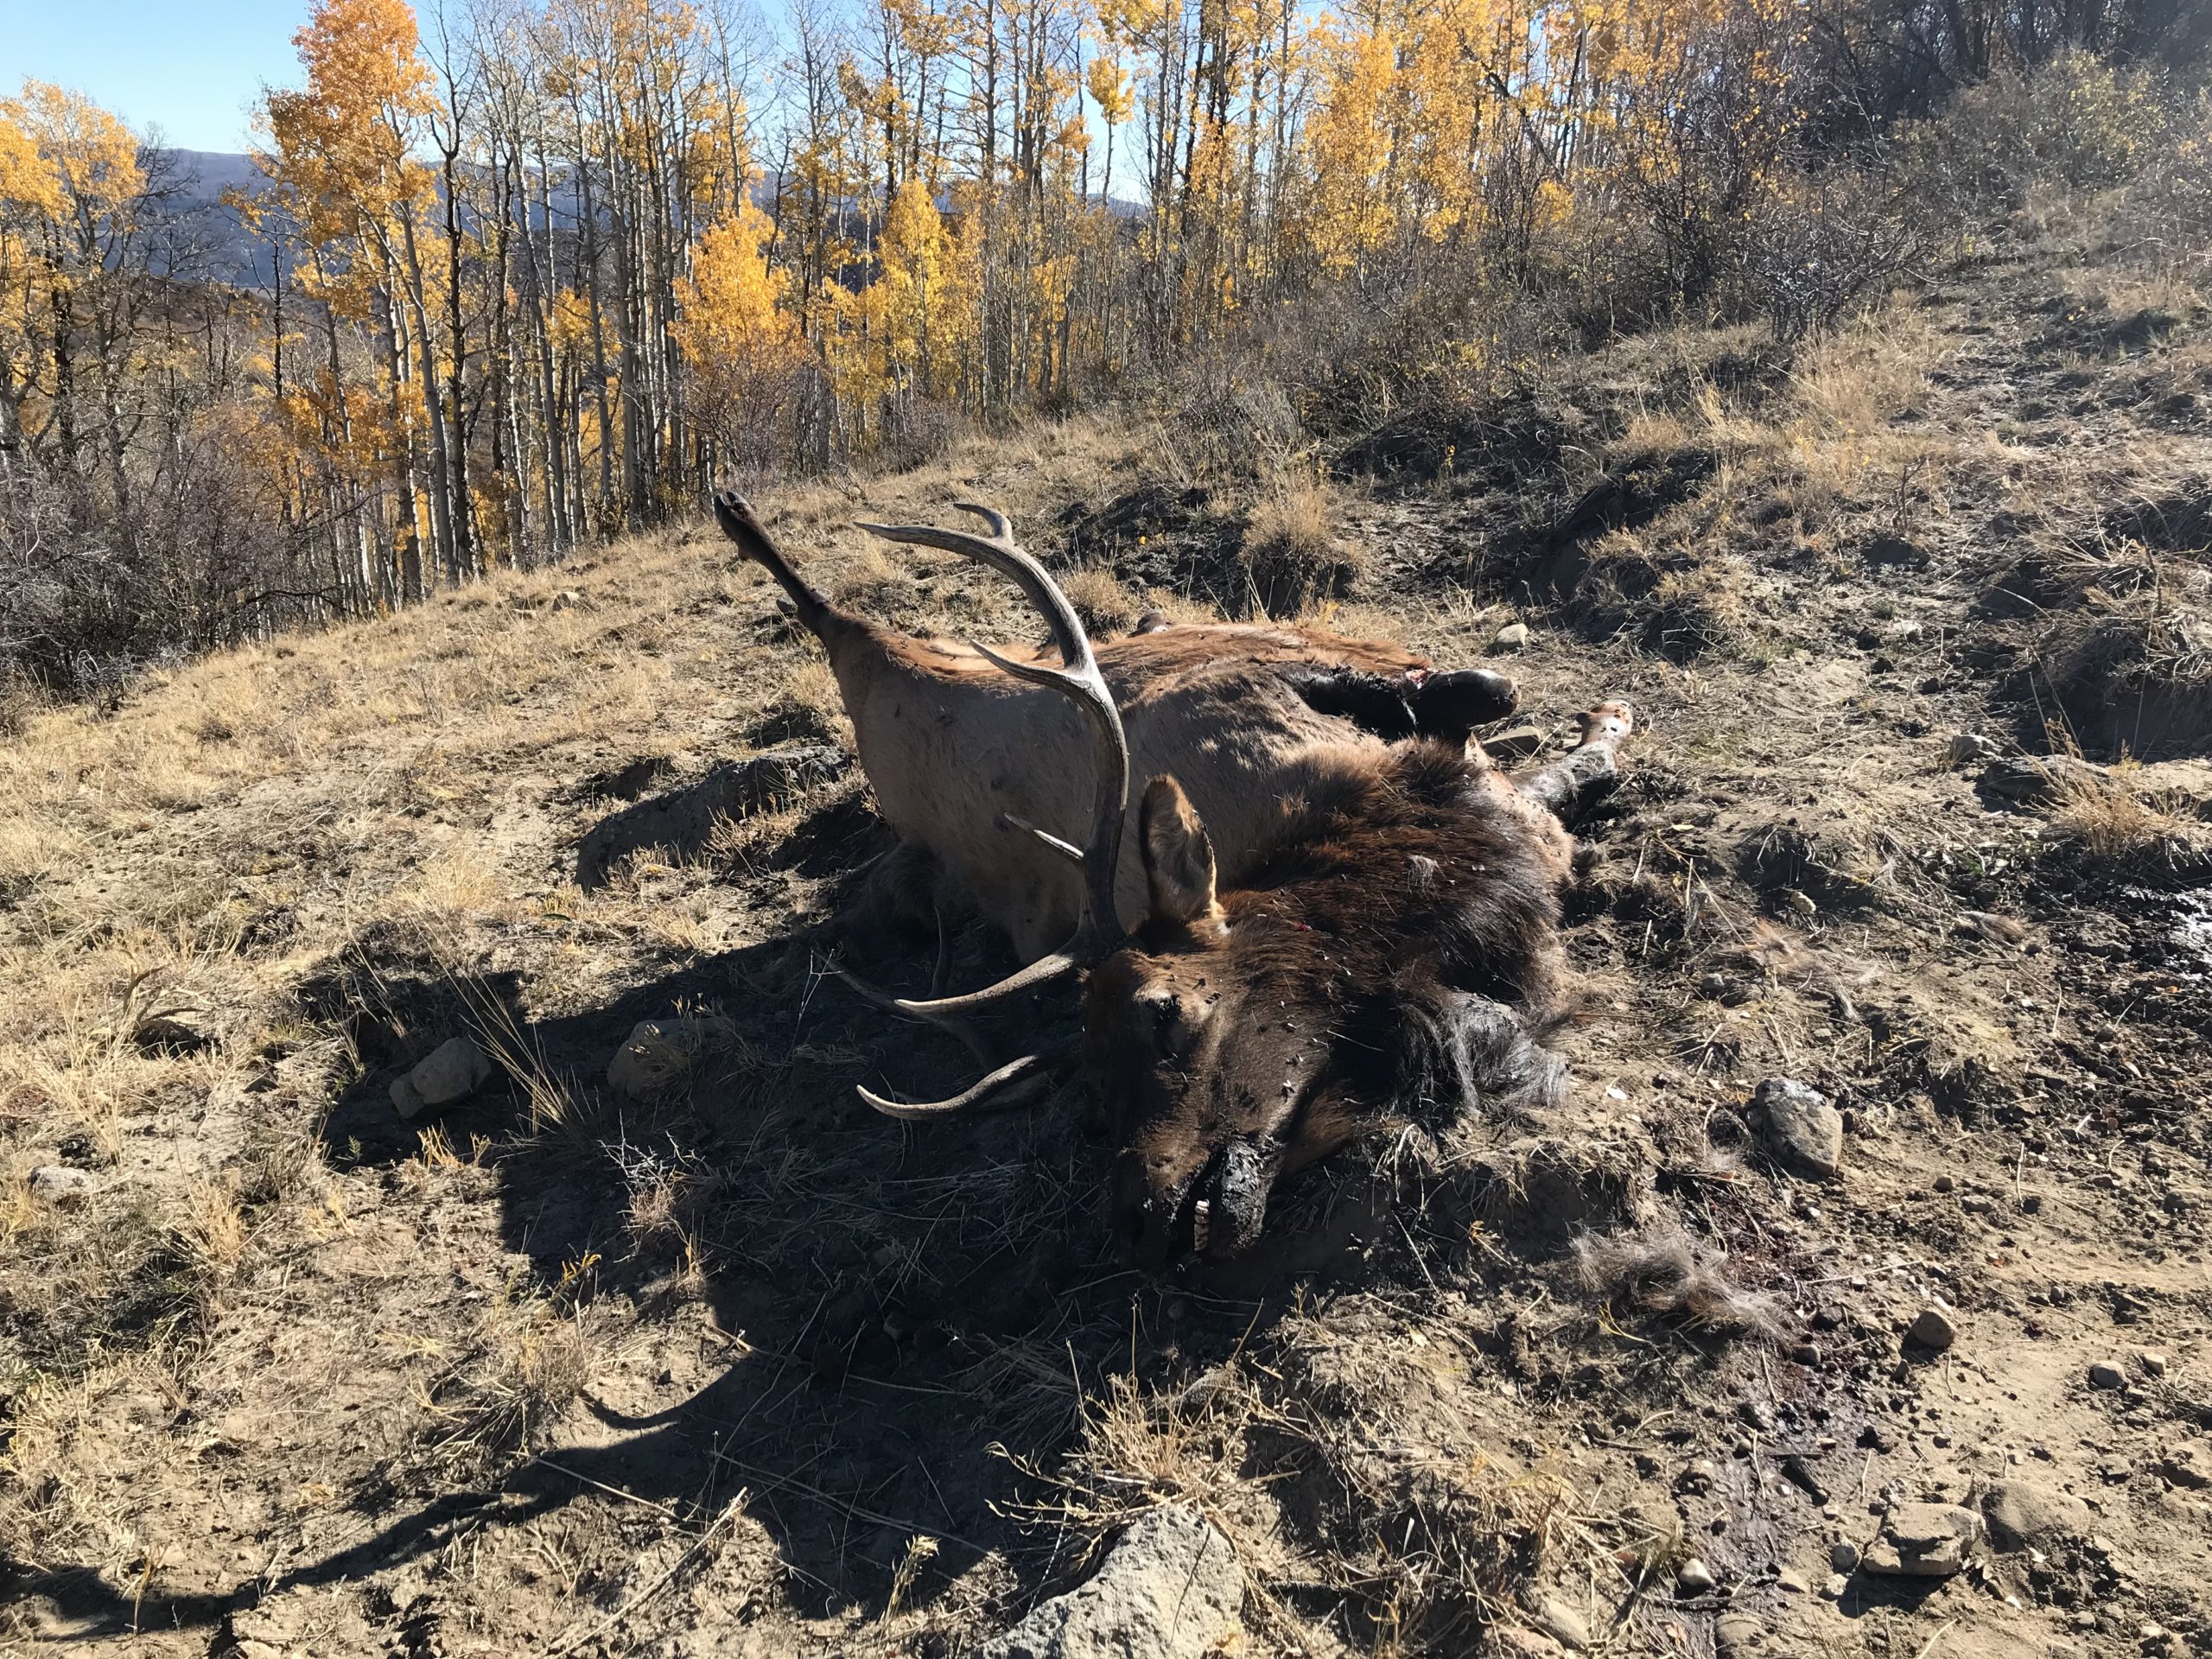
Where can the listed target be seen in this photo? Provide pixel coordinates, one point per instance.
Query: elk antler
(1098, 932)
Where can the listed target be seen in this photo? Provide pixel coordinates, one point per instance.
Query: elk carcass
(1332, 911)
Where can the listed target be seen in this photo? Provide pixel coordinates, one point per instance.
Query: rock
(1695, 1579)
(405, 1101)
(2026, 779)
(2023, 1514)
(1515, 744)
(1796, 1583)
(1835, 1586)
(2106, 1374)
(1170, 1588)
(659, 1052)
(1925, 1541)
(1511, 1641)
(1737, 1633)
(453, 1072)
(1933, 1330)
(1514, 636)
(58, 1183)
(2152, 1362)
(1562, 1623)
(1804, 1131)
(1843, 1556)
(1968, 747)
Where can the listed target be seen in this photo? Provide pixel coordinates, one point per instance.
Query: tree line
(538, 271)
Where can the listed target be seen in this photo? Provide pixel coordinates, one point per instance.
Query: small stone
(1804, 1131)
(454, 1070)
(1563, 1624)
(2106, 1374)
(2024, 1515)
(1944, 1183)
(1737, 1633)
(1795, 1582)
(1933, 1329)
(58, 1183)
(2152, 1362)
(1695, 1579)
(1835, 1586)
(1925, 1541)
(1843, 1556)
(1966, 747)
(1514, 636)
(660, 1053)
(1512, 1642)
(405, 1101)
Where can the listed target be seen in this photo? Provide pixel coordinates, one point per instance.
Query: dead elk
(1335, 912)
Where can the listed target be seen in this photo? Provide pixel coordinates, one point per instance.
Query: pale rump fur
(950, 742)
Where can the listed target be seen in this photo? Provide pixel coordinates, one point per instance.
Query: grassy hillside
(1916, 621)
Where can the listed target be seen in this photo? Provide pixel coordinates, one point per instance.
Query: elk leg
(1587, 769)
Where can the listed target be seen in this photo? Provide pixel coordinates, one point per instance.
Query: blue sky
(191, 67)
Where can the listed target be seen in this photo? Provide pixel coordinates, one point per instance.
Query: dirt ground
(740, 1367)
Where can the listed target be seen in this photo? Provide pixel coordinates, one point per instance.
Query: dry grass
(1291, 555)
(2111, 819)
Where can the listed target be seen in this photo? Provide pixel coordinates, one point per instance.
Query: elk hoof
(1150, 622)
(1608, 725)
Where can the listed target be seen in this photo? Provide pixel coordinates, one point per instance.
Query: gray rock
(58, 1183)
(1835, 1586)
(2026, 779)
(1804, 1131)
(1737, 1633)
(1843, 1556)
(1795, 1582)
(658, 1053)
(1970, 745)
(1695, 1579)
(1925, 1541)
(452, 1072)
(1514, 636)
(2152, 1362)
(2024, 1516)
(1170, 1589)
(1934, 1329)
(2106, 1374)
(1511, 1641)
(1562, 1623)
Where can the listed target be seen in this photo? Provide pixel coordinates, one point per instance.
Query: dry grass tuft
(2110, 820)
(1107, 607)
(1291, 556)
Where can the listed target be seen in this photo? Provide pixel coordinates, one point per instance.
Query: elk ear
(1178, 856)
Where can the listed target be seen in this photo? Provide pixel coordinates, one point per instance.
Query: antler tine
(1001, 527)
(1010, 1085)
(999, 551)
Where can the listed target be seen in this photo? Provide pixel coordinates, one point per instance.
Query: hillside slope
(736, 1366)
